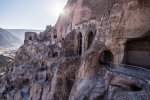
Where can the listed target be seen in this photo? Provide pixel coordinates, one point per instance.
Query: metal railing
(130, 70)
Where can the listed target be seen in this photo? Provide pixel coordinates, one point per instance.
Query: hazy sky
(29, 14)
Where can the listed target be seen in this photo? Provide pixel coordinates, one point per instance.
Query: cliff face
(64, 22)
(81, 57)
(124, 15)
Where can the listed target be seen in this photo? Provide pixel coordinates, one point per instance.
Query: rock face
(81, 57)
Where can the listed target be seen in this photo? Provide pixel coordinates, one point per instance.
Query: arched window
(90, 39)
(80, 43)
(106, 57)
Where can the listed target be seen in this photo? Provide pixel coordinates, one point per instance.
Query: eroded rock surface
(66, 62)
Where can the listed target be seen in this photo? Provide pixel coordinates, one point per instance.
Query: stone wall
(30, 36)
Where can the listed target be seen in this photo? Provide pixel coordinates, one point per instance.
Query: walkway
(129, 70)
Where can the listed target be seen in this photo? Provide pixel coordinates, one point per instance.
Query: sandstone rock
(65, 61)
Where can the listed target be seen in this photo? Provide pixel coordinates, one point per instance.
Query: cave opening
(137, 52)
(55, 54)
(135, 88)
(106, 57)
(55, 36)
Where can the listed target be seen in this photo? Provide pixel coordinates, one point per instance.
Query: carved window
(30, 38)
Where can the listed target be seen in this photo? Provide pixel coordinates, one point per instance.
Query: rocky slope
(8, 40)
(62, 63)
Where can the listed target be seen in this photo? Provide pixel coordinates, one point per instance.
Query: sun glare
(58, 9)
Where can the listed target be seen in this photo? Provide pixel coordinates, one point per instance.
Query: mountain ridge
(21, 32)
(8, 40)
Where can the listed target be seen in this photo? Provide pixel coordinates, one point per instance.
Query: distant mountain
(8, 40)
(21, 32)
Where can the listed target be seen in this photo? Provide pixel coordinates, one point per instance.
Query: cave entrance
(106, 57)
(137, 52)
(80, 43)
(55, 36)
(55, 54)
(90, 39)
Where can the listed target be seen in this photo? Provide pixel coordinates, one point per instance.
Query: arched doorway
(30, 38)
(90, 39)
(79, 50)
(106, 57)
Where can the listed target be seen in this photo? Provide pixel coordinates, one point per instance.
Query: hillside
(8, 40)
(20, 32)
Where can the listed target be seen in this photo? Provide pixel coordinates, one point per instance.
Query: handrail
(143, 78)
(137, 72)
(129, 74)
(131, 66)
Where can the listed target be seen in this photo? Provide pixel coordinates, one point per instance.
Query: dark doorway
(30, 38)
(55, 36)
(90, 39)
(106, 57)
(80, 43)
